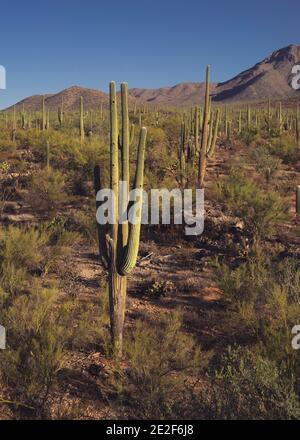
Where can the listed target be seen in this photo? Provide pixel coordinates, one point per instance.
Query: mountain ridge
(267, 79)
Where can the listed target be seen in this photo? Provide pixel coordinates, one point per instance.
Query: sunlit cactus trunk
(119, 243)
(205, 132)
(44, 115)
(81, 120)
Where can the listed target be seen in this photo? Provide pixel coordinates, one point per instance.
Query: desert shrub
(265, 161)
(261, 210)
(20, 253)
(249, 281)
(7, 146)
(160, 359)
(93, 323)
(22, 248)
(59, 243)
(286, 149)
(37, 334)
(4, 167)
(47, 190)
(86, 224)
(264, 295)
(158, 289)
(63, 148)
(249, 136)
(25, 253)
(246, 385)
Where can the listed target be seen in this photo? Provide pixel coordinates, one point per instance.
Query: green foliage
(250, 386)
(261, 210)
(26, 253)
(265, 162)
(47, 190)
(36, 346)
(160, 358)
(265, 293)
(286, 149)
(86, 224)
(160, 289)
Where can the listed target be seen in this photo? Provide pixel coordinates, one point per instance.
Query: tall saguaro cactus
(205, 133)
(81, 122)
(119, 243)
(44, 115)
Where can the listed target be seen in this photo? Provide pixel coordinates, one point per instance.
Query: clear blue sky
(46, 46)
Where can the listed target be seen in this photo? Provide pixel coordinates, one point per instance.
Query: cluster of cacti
(119, 243)
(195, 143)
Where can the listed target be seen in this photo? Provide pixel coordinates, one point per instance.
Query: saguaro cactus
(205, 132)
(61, 113)
(181, 155)
(44, 115)
(119, 243)
(212, 144)
(81, 122)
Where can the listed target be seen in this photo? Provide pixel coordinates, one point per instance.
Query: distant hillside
(269, 78)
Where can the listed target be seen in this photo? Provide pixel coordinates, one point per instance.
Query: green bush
(36, 345)
(47, 190)
(160, 359)
(264, 295)
(246, 385)
(261, 210)
(265, 162)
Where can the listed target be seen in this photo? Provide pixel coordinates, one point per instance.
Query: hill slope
(269, 78)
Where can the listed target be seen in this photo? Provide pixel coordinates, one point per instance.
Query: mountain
(181, 94)
(270, 78)
(70, 97)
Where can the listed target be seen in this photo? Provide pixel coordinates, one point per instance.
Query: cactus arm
(215, 135)
(124, 229)
(114, 159)
(129, 260)
(132, 134)
(196, 125)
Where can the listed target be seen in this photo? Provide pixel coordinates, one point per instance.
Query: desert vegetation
(142, 321)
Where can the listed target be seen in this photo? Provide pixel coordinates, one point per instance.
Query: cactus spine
(119, 248)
